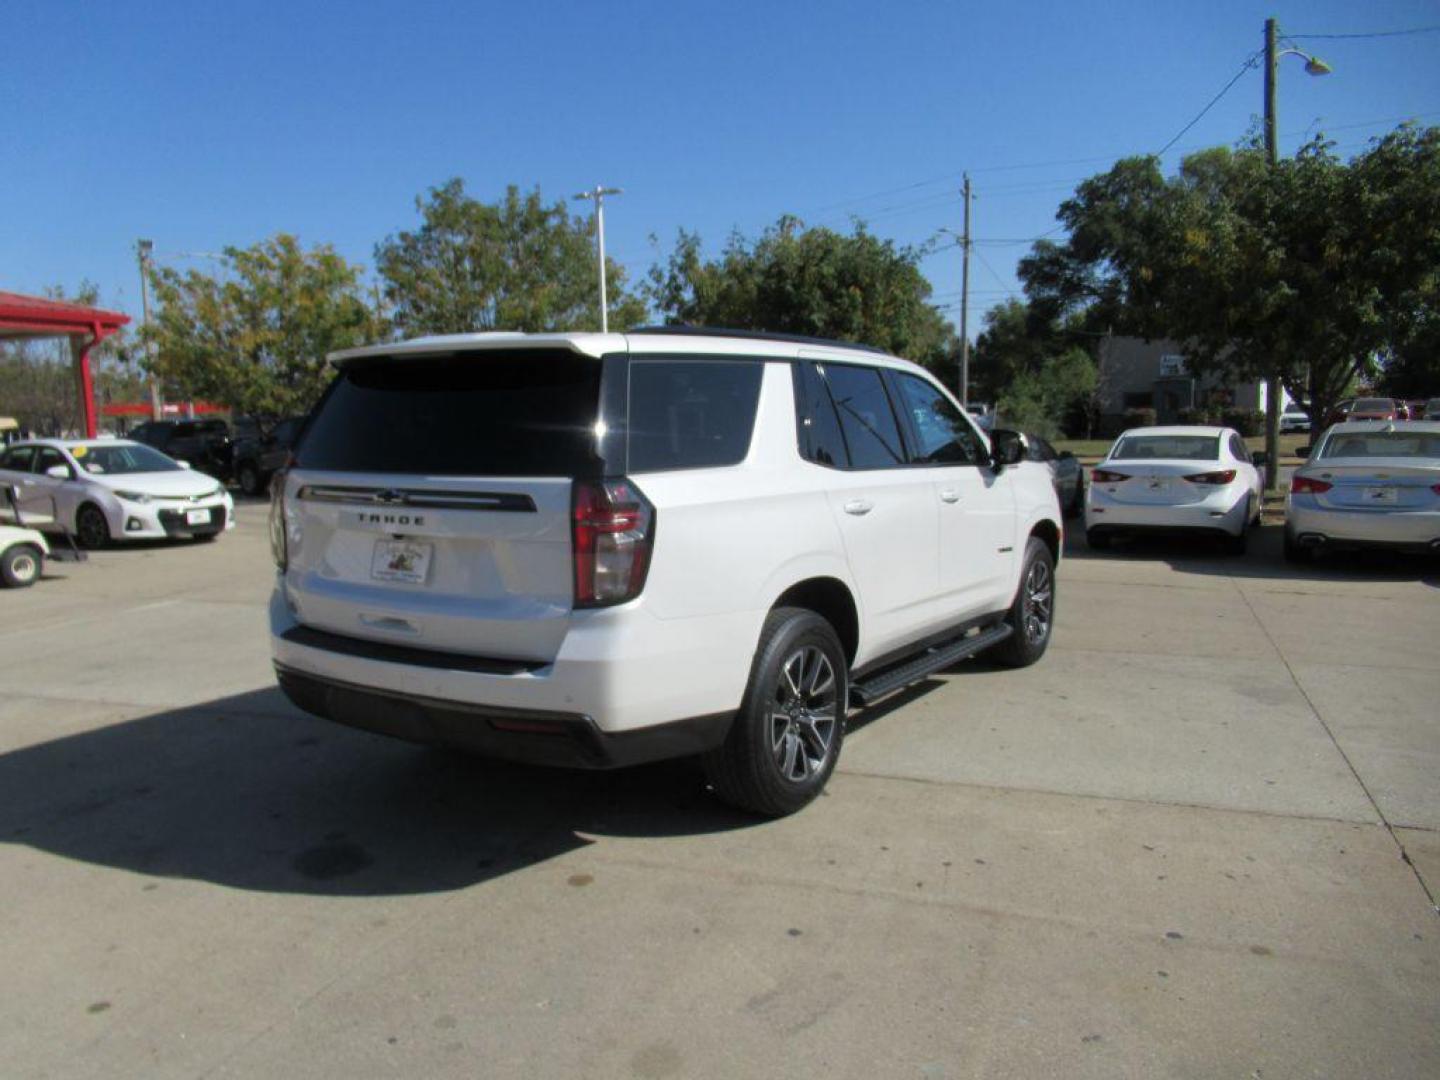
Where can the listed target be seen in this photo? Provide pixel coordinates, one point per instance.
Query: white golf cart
(23, 549)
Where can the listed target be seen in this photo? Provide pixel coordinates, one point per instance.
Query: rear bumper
(532, 736)
(1337, 529)
(620, 669)
(1224, 513)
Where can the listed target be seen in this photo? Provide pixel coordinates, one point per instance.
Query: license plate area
(197, 517)
(400, 560)
(1381, 496)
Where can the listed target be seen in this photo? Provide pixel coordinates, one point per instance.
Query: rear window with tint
(1373, 404)
(1381, 444)
(526, 413)
(691, 414)
(1172, 447)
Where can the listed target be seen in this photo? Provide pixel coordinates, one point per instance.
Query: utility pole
(965, 303)
(598, 194)
(1272, 388)
(143, 250)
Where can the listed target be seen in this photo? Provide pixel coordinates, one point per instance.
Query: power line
(1372, 34)
(998, 279)
(1251, 61)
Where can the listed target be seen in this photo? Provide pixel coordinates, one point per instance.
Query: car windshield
(1380, 444)
(1176, 447)
(1373, 404)
(120, 459)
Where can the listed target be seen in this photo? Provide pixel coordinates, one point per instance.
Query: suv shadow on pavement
(1264, 560)
(246, 792)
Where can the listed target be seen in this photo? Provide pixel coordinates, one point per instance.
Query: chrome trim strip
(497, 501)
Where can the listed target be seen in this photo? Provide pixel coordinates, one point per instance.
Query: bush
(1200, 415)
(1139, 418)
(1246, 421)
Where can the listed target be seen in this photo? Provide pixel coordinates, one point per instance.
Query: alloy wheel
(1039, 602)
(804, 714)
(91, 527)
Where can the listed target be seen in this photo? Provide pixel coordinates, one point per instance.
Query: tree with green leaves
(1313, 267)
(515, 264)
(1039, 371)
(814, 281)
(256, 336)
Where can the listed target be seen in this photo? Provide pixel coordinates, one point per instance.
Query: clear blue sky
(205, 125)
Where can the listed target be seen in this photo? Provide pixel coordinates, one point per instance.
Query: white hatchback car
(112, 489)
(1367, 484)
(602, 549)
(1175, 479)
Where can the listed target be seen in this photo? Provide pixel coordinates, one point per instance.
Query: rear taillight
(1435, 488)
(1219, 476)
(1106, 476)
(278, 548)
(613, 532)
(1303, 485)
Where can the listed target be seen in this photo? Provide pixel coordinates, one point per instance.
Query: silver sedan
(1367, 484)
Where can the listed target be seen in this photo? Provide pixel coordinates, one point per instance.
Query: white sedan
(113, 489)
(1367, 483)
(1175, 479)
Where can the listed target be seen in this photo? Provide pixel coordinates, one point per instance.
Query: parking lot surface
(1200, 839)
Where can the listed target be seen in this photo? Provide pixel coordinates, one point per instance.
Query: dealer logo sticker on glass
(400, 560)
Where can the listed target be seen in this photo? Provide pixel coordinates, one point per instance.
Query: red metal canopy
(23, 317)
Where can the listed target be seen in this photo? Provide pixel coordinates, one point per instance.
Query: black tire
(249, 478)
(1296, 553)
(1032, 612)
(92, 531)
(1098, 540)
(21, 566)
(787, 735)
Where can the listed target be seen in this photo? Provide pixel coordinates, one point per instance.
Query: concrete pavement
(1198, 839)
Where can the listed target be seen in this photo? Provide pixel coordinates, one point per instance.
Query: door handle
(950, 495)
(859, 507)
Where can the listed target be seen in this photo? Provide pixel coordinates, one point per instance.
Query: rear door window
(524, 413)
(691, 414)
(871, 432)
(817, 426)
(18, 459)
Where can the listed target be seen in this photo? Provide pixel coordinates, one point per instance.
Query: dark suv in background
(261, 449)
(202, 444)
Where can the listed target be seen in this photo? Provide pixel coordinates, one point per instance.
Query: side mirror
(1303, 451)
(1259, 459)
(58, 472)
(1006, 448)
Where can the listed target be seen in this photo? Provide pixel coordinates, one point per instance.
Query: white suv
(602, 549)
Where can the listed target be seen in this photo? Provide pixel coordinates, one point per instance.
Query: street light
(1313, 66)
(599, 196)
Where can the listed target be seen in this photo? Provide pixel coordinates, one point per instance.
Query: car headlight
(133, 496)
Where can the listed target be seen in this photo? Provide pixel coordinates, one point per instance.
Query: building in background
(1139, 374)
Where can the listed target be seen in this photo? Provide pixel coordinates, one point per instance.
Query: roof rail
(765, 335)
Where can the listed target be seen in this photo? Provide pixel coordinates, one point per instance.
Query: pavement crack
(1315, 711)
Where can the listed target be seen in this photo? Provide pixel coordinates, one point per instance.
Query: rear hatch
(429, 503)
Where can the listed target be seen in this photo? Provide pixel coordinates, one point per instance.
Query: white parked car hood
(173, 484)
